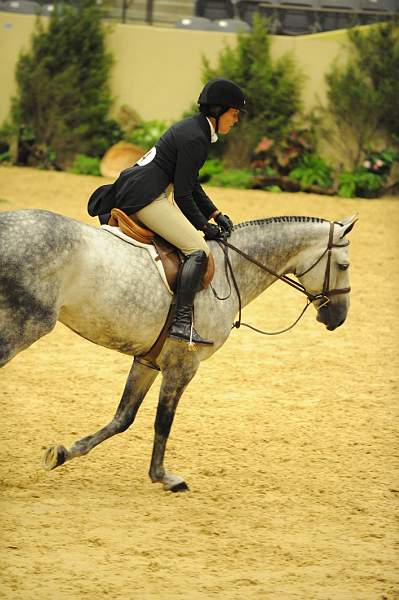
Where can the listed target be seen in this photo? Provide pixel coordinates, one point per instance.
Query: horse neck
(276, 243)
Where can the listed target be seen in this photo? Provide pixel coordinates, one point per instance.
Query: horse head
(323, 269)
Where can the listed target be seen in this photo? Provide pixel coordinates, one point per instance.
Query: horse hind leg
(137, 385)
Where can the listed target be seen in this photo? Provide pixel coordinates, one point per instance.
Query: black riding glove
(212, 232)
(224, 222)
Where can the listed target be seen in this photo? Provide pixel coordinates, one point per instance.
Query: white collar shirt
(214, 136)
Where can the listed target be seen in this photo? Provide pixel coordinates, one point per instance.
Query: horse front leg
(174, 382)
(137, 385)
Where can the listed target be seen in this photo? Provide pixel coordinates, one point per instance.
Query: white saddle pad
(149, 247)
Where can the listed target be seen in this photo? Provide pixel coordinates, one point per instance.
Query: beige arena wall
(157, 70)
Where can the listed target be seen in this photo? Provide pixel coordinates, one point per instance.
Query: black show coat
(176, 158)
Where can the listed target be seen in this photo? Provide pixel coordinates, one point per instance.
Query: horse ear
(348, 225)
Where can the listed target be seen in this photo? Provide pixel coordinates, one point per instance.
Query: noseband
(324, 295)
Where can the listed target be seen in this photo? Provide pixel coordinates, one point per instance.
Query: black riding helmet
(218, 95)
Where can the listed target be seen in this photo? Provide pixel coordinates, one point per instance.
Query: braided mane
(284, 219)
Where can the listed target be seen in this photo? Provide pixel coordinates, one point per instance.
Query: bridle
(324, 295)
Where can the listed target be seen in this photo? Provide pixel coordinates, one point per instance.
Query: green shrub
(7, 134)
(5, 154)
(146, 133)
(63, 96)
(363, 93)
(359, 183)
(216, 174)
(377, 51)
(232, 178)
(86, 165)
(211, 168)
(312, 170)
(273, 188)
(272, 89)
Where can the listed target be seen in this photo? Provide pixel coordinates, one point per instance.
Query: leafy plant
(380, 162)
(281, 156)
(347, 184)
(359, 183)
(214, 173)
(312, 170)
(63, 96)
(232, 178)
(367, 181)
(86, 165)
(5, 156)
(211, 168)
(146, 133)
(7, 134)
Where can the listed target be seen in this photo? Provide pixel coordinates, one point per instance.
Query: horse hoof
(172, 483)
(180, 487)
(53, 457)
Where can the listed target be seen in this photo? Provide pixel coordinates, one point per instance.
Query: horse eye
(343, 266)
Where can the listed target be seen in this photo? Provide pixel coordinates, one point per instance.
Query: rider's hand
(212, 232)
(224, 222)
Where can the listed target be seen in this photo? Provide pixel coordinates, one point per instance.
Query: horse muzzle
(332, 315)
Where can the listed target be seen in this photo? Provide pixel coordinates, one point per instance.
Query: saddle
(169, 255)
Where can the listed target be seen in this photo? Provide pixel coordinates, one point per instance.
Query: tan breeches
(167, 220)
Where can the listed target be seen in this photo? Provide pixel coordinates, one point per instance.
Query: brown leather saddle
(171, 257)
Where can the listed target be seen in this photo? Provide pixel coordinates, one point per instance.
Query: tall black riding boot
(189, 283)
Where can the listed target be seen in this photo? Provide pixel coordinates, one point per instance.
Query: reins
(324, 295)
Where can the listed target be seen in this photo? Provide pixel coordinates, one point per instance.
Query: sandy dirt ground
(288, 443)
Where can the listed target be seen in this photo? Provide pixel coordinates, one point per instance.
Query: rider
(175, 160)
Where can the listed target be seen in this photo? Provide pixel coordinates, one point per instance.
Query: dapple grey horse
(110, 292)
